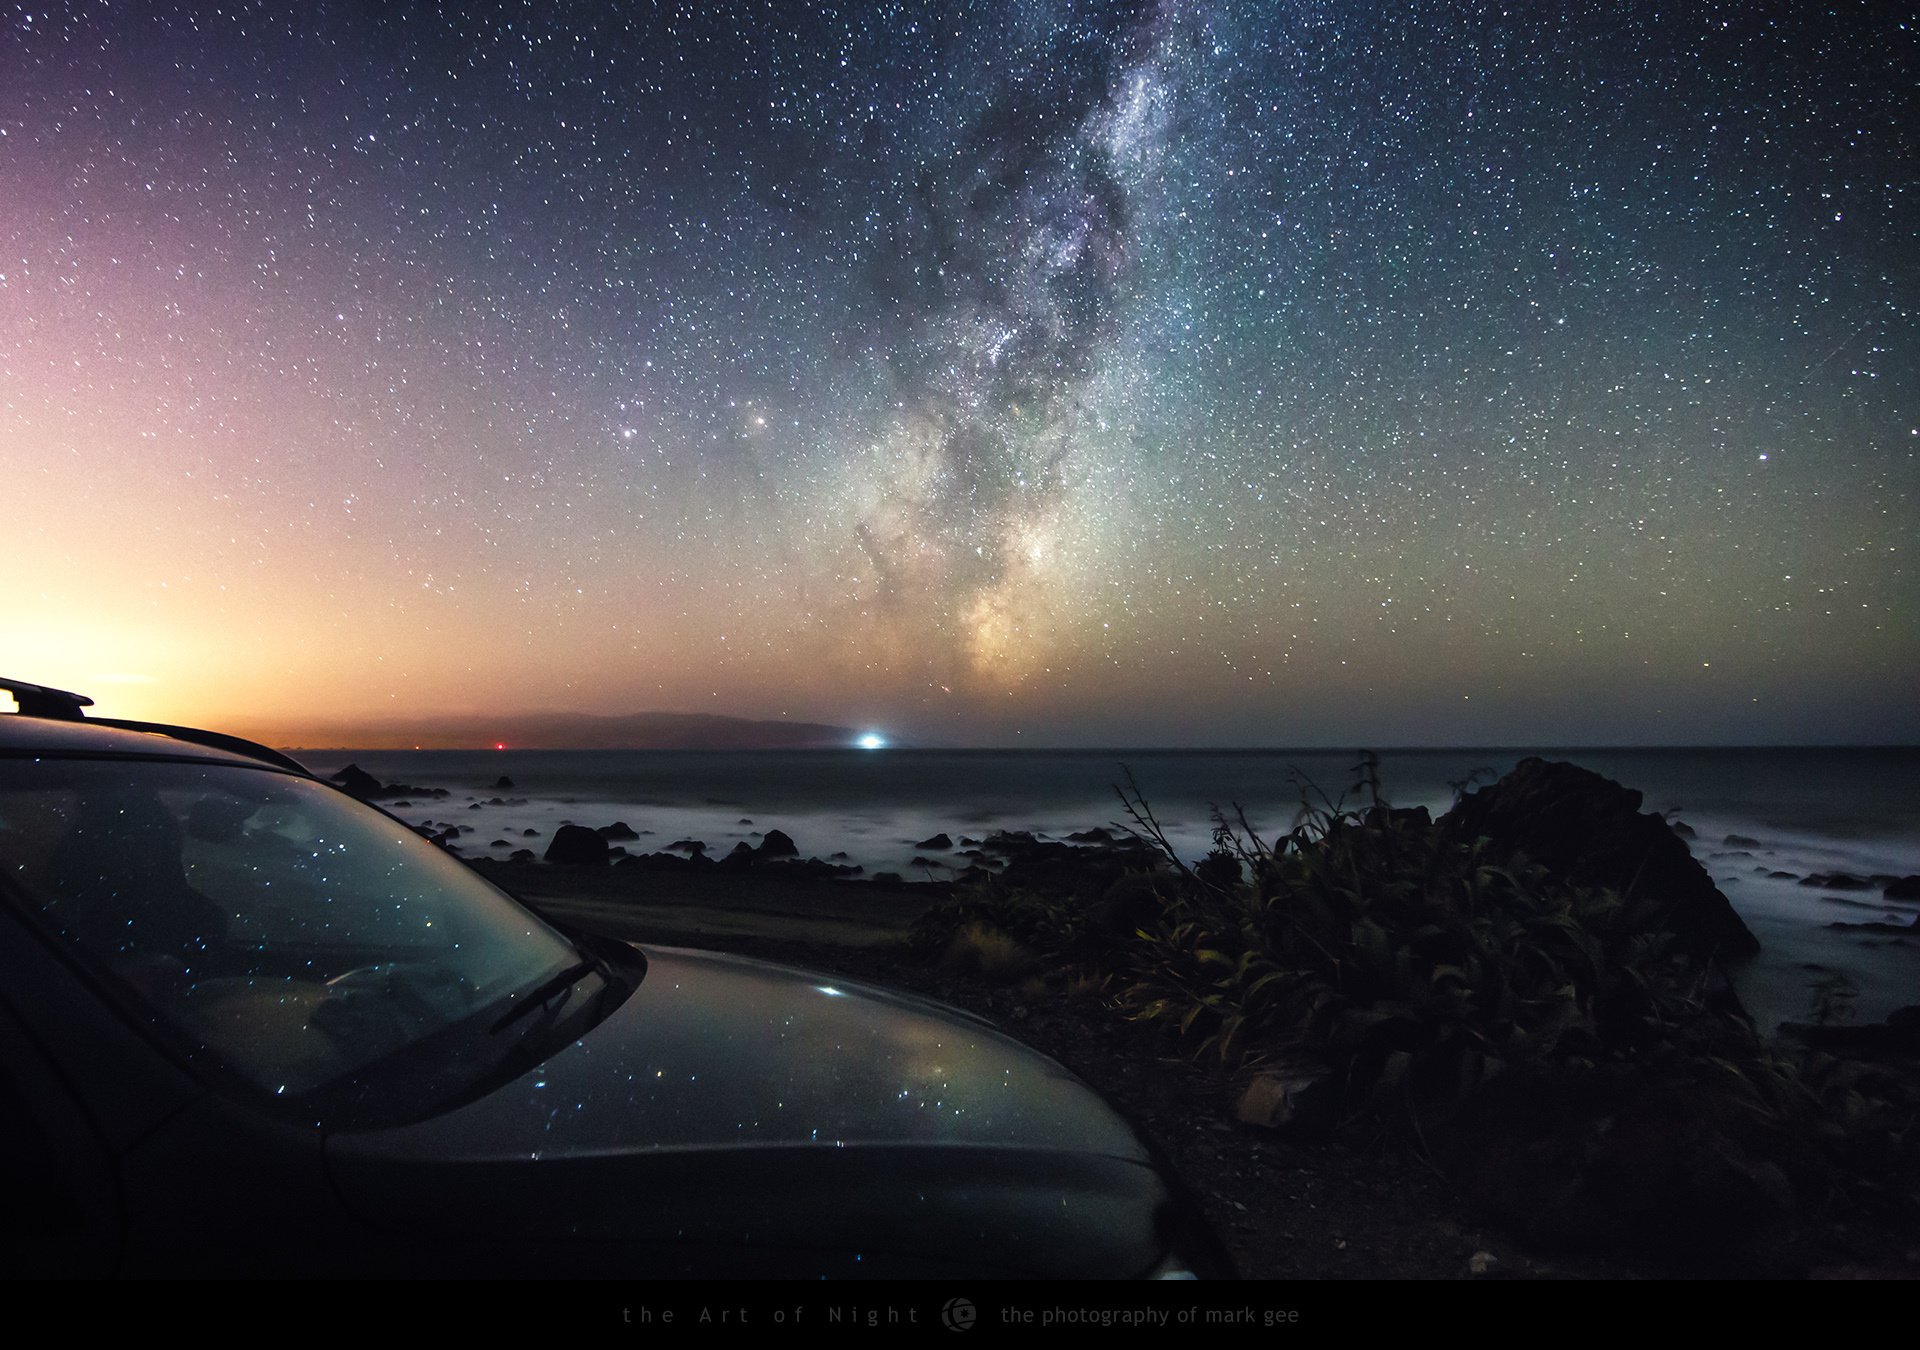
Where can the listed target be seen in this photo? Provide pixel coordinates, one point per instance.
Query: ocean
(1810, 811)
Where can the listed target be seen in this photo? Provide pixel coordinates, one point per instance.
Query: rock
(1591, 830)
(778, 845)
(939, 841)
(520, 855)
(1482, 1263)
(529, 834)
(577, 846)
(1741, 841)
(744, 821)
(618, 830)
(358, 782)
(1274, 1097)
(694, 846)
(1684, 830)
(1906, 888)
(1099, 834)
(499, 843)
(741, 856)
(1835, 881)
(502, 783)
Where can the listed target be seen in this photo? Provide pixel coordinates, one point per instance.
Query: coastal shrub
(988, 952)
(1411, 965)
(1035, 920)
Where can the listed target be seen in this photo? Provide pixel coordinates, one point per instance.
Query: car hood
(729, 1101)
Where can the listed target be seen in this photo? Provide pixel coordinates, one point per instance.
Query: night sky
(1036, 373)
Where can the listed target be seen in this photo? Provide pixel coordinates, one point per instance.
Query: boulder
(939, 841)
(1906, 888)
(777, 844)
(576, 845)
(1591, 830)
(618, 830)
(1836, 881)
(502, 783)
(358, 782)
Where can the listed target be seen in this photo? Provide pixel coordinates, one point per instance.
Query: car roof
(21, 734)
(47, 735)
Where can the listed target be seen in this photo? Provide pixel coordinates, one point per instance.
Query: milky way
(1044, 372)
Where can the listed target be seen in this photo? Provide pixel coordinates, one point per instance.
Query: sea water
(1811, 811)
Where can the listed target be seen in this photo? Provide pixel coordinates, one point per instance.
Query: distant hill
(569, 731)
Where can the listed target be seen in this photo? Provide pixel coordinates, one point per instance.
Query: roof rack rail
(63, 705)
(216, 740)
(36, 700)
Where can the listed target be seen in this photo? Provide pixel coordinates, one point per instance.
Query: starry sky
(1041, 373)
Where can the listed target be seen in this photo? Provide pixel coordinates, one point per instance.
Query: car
(253, 1026)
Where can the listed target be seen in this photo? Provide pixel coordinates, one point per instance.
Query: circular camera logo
(959, 1314)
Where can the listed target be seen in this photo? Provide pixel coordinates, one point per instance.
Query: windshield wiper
(544, 993)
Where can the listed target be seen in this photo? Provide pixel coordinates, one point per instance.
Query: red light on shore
(499, 745)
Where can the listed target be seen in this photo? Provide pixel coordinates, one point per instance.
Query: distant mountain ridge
(572, 731)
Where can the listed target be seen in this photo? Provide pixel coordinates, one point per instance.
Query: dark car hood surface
(732, 1103)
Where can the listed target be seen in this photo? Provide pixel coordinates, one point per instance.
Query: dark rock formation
(618, 830)
(1591, 830)
(778, 845)
(359, 782)
(1099, 834)
(1906, 888)
(1835, 881)
(939, 841)
(578, 846)
(1741, 841)
(502, 783)
(693, 846)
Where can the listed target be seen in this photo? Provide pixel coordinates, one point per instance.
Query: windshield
(286, 930)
